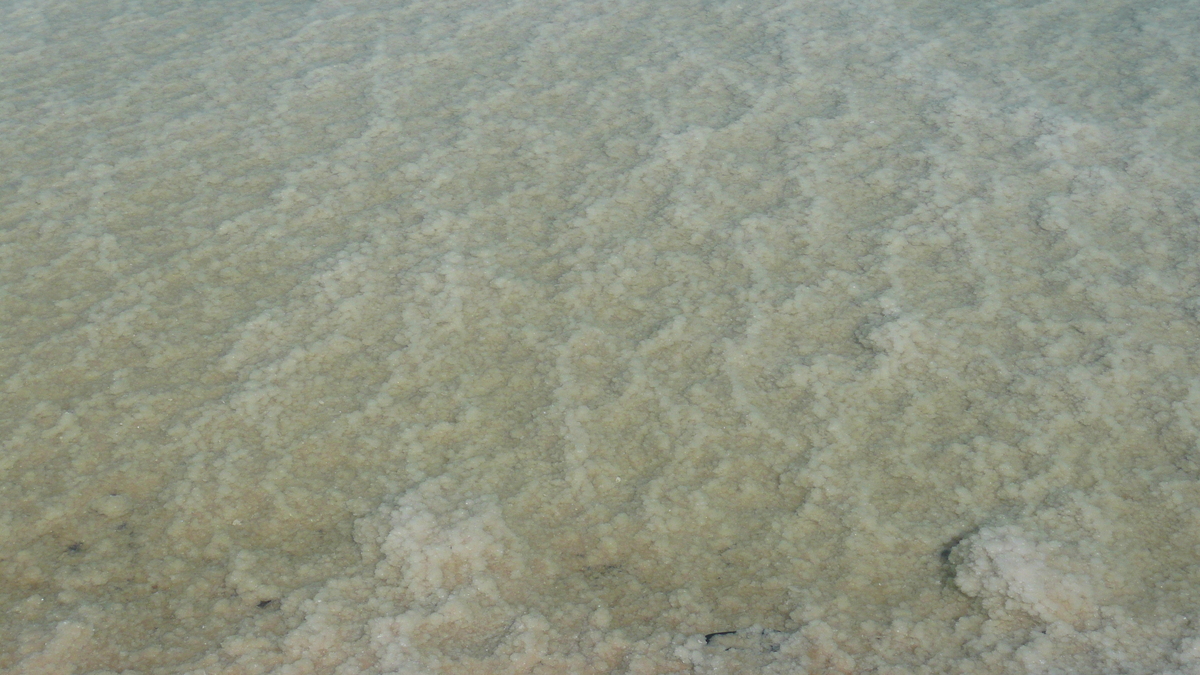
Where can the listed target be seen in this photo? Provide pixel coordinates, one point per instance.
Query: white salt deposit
(599, 337)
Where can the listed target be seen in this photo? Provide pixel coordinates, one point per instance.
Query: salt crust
(534, 337)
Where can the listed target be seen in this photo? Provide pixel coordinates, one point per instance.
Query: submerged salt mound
(450, 568)
(1012, 570)
(449, 588)
(1052, 607)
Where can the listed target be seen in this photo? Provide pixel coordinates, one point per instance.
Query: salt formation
(1011, 572)
(451, 590)
(1052, 606)
(599, 337)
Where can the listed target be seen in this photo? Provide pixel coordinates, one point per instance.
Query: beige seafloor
(539, 337)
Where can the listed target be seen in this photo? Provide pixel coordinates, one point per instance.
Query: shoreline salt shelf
(554, 337)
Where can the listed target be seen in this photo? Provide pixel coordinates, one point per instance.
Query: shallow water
(450, 337)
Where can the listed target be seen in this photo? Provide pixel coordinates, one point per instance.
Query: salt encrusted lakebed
(599, 337)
